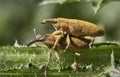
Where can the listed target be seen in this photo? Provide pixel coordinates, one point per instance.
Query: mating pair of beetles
(70, 34)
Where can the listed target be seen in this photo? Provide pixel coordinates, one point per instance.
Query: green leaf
(30, 61)
(96, 5)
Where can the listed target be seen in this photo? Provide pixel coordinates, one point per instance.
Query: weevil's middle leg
(58, 58)
(68, 42)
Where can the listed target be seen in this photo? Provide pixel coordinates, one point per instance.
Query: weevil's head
(52, 21)
(38, 39)
(58, 23)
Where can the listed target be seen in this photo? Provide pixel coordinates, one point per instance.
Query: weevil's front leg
(46, 68)
(68, 42)
(91, 39)
(58, 58)
(57, 40)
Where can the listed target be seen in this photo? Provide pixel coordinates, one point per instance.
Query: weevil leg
(46, 68)
(90, 44)
(57, 40)
(58, 32)
(58, 58)
(91, 39)
(68, 42)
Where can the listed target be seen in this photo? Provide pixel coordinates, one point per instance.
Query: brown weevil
(74, 27)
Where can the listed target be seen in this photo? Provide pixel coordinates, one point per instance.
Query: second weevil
(76, 44)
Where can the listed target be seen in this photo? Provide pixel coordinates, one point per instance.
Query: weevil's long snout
(49, 21)
(33, 41)
(36, 40)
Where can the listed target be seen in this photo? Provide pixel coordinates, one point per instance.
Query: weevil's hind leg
(58, 58)
(90, 44)
(91, 39)
(46, 68)
(68, 42)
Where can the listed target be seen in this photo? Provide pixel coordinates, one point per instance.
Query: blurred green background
(18, 18)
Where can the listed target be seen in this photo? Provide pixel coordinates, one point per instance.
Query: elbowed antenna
(36, 40)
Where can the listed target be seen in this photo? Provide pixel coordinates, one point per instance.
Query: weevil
(74, 27)
(76, 44)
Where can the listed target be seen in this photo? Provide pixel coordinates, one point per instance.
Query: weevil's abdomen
(84, 28)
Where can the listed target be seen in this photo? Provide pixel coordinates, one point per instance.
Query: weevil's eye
(42, 38)
(49, 21)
